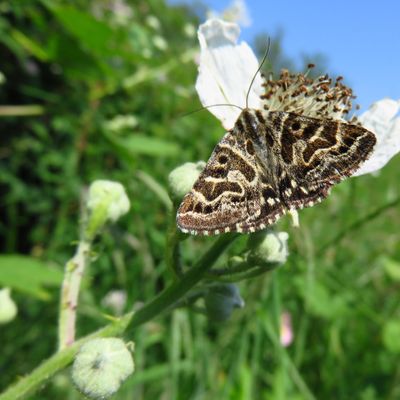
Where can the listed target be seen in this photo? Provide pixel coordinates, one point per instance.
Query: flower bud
(107, 200)
(268, 249)
(221, 300)
(115, 300)
(286, 330)
(182, 178)
(8, 309)
(100, 367)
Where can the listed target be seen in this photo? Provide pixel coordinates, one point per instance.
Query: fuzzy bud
(182, 178)
(100, 367)
(8, 309)
(269, 249)
(107, 200)
(221, 301)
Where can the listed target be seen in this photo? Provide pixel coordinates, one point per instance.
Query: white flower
(381, 119)
(236, 12)
(225, 71)
(227, 68)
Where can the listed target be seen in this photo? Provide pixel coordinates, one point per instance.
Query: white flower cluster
(227, 68)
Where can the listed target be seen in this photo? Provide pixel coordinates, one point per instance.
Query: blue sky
(361, 39)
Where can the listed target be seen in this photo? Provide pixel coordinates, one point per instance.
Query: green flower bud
(268, 249)
(107, 200)
(100, 367)
(221, 300)
(8, 309)
(182, 178)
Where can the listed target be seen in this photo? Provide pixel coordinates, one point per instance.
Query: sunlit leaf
(28, 275)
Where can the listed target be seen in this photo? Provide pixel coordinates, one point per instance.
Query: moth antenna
(212, 105)
(258, 70)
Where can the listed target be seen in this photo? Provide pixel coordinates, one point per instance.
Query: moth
(270, 163)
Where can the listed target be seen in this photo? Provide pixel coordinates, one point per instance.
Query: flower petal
(381, 119)
(226, 70)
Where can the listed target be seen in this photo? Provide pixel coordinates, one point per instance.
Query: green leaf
(28, 275)
(91, 33)
(391, 336)
(32, 47)
(392, 268)
(141, 144)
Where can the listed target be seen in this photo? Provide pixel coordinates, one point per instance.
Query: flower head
(8, 309)
(101, 366)
(182, 178)
(227, 68)
(221, 301)
(269, 249)
(107, 201)
(286, 331)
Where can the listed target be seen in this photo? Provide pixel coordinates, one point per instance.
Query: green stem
(60, 360)
(21, 111)
(172, 248)
(179, 288)
(358, 224)
(127, 323)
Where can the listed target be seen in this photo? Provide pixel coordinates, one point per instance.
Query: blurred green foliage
(110, 81)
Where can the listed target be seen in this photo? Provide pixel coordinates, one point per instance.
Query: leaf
(28, 275)
(32, 47)
(141, 144)
(392, 268)
(91, 33)
(322, 303)
(391, 336)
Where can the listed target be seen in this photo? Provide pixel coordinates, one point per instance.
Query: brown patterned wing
(232, 194)
(316, 154)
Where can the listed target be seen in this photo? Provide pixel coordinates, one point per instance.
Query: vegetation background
(104, 85)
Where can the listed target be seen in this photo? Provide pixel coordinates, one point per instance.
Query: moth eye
(222, 159)
(296, 126)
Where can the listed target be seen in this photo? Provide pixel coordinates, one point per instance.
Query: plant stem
(127, 323)
(60, 360)
(21, 111)
(74, 270)
(179, 288)
(357, 225)
(172, 248)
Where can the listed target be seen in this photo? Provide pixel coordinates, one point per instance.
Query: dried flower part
(318, 98)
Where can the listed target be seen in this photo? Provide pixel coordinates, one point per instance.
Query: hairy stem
(28, 384)
(127, 323)
(74, 270)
